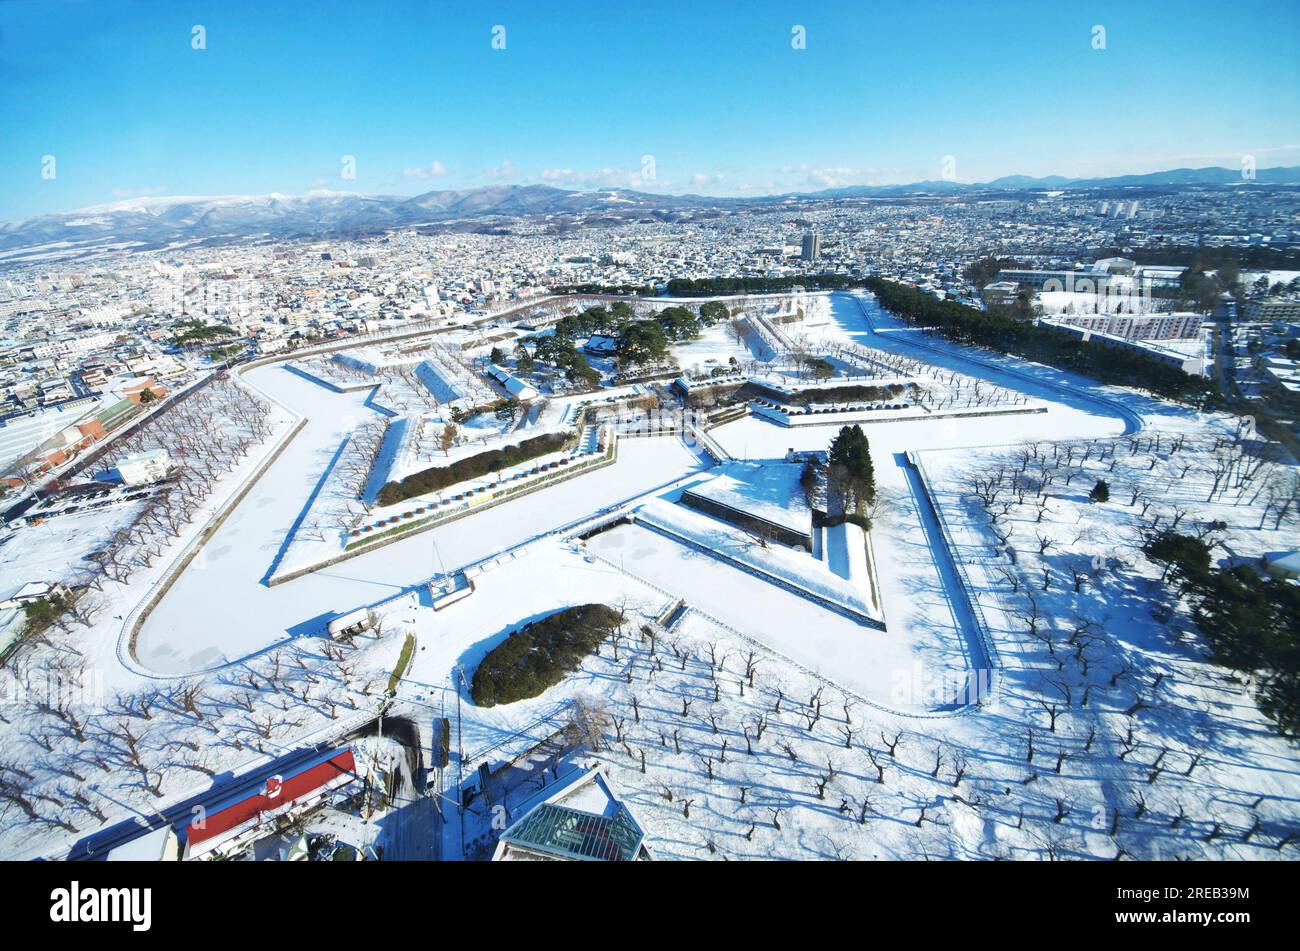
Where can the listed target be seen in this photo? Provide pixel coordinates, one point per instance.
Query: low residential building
(1281, 376)
(512, 384)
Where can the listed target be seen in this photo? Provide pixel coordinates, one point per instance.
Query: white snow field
(761, 723)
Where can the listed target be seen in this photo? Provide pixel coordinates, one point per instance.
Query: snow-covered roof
(160, 845)
(583, 820)
(25, 592)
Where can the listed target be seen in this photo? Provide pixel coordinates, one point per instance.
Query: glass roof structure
(569, 833)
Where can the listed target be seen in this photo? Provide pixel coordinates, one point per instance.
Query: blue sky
(584, 91)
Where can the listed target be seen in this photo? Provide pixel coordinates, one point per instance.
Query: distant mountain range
(1172, 178)
(146, 223)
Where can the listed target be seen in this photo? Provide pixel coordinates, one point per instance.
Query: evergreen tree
(1184, 556)
(641, 342)
(1100, 492)
(852, 477)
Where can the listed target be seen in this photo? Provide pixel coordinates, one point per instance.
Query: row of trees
(471, 467)
(968, 325)
(206, 434)
(710, 286)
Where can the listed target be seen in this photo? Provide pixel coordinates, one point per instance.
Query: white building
(512, 384)
(142, 468)
(1176, 326)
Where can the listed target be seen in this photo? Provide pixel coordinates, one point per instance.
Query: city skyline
(413, 99)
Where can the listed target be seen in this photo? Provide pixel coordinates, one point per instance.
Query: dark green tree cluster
(523, 360)
(562, 353)
(851, 477)
(712, 312)
(195, 332)
(711, 286)
(1100, 492)
(1199, 289)
(809, 479)
(471, 467)
(41, 614)
(679, 323)
(506, 409)
(595, 320)
(539, 654)
(985, 270)
(642, 341)
(1184, 557)
(1261, 257)
(1252, 622)
(1005, 334)
(819, 367)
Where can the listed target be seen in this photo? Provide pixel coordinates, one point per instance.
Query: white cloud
(836, 176)
(841, 176)
(506, 170)
(607, 177)
(434, 170)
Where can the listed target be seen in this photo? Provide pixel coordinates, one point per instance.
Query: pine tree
(851, 469)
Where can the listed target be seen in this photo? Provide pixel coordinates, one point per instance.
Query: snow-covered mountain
(155, 222)
(143, 223)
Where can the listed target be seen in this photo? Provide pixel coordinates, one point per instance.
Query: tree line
(968, 325)
(471, 467)
(702, 286)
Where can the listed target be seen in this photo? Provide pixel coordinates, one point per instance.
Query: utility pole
(457, 674)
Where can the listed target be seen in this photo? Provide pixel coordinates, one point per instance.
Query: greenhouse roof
(571, 833)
